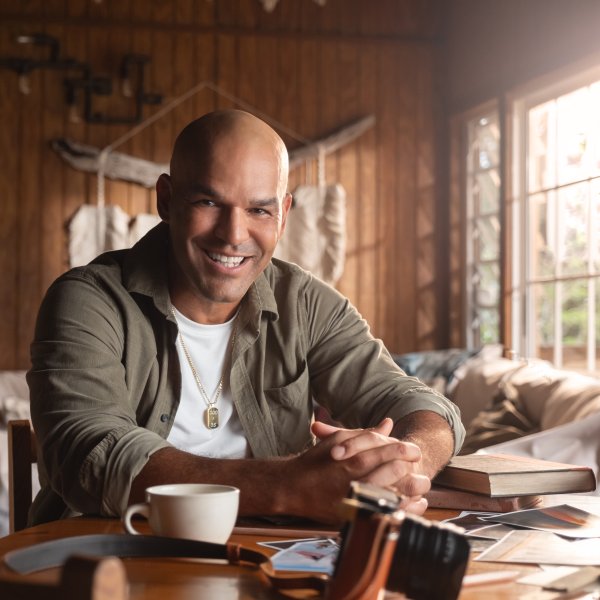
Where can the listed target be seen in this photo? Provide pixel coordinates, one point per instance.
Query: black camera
(382, 547)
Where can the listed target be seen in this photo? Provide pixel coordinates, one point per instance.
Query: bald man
(195, 357)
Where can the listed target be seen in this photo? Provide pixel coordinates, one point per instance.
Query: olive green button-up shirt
(105, 378)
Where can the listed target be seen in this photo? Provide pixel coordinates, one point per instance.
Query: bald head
(233, 130)
(226, 206)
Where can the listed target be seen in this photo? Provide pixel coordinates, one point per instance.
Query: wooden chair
(22, 453)
(84, 578)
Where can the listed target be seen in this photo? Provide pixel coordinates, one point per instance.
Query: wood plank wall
(308, 67)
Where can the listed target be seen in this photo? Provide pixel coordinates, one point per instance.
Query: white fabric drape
(96, 229)
(315, 235)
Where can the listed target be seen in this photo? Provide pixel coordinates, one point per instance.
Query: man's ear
(164, 193)
(286, 205)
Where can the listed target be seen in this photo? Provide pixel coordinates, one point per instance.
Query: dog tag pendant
(212, 417)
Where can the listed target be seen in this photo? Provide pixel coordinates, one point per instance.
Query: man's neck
(215, 314)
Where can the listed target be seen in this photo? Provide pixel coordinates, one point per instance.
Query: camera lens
(429, 561)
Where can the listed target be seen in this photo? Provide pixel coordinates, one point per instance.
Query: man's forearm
(432, 434)
(313, 483)
(259, 480)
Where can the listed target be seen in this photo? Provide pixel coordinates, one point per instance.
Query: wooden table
(177, 579)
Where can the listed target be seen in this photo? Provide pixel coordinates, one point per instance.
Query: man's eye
(259, 211)
(203, 202)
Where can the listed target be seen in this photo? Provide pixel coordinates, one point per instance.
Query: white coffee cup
(195, 511)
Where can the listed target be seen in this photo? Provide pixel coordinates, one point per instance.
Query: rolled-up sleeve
(354, 376)
(83, 406)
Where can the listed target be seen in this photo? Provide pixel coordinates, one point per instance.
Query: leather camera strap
(55, 553)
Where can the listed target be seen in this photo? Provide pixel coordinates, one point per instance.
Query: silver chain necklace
(211, 414)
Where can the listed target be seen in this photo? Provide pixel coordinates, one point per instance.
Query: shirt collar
(145, 269)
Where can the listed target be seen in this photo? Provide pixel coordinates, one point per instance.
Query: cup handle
(135, 509)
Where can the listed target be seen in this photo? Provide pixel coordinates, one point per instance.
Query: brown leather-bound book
(441, 497)
(498, 475)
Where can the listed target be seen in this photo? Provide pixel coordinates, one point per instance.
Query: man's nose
(233, 226)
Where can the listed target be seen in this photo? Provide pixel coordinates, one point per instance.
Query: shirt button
(164, 418)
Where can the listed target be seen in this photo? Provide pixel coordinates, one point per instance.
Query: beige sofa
(528, 396)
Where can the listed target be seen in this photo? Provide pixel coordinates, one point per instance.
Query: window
(556, 187)
(482, 186)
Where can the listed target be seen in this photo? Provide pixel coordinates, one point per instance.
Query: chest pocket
(291, 411)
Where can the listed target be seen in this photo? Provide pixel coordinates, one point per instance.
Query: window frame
(461, 301)
(519, 303)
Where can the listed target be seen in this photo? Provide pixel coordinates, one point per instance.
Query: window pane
(541, 162)
(487, 191)
(542, 234)
(574, 313)
(488, 234)
(483, 227)
(595, 225)
(488, 290)
(489, 326)
(485, 142)
(573, 222)
(573, 125)
(542, 296)
(574, 324)
(597, 324)
(595, 129)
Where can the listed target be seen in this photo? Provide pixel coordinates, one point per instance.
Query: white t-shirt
(210, 350)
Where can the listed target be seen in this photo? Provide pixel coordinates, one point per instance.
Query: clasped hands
(368, 455)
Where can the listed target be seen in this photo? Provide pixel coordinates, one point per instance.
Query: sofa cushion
(506, 417)
(518, 398)
(475, 382)
(571, 398)
(435, 368)
(531, 383)
(551, 396)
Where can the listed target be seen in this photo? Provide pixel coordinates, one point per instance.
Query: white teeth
(227, 261)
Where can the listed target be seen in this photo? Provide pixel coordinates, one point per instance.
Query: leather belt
(54, 553)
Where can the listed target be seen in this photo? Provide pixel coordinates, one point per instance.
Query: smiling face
(225, 204)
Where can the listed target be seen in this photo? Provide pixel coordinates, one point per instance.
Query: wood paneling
(9, 212)
(367, 242)
(312, 69)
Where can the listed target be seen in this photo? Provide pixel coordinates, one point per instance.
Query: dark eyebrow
(199, 188)
(264, 203)
(206, 190)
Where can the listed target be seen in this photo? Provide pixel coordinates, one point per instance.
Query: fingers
(414, 506)
(323, 430)
(394, 475)
(346, 443)
(385, 427)
(385, 462)
(368, 440)
(368, 455)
